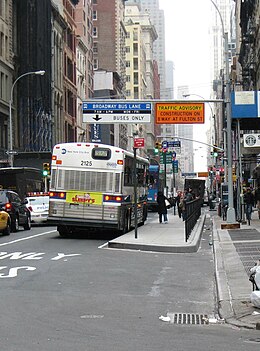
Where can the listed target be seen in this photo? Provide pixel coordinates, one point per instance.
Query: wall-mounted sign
(138, 143)
(245, 104)
(251, 140)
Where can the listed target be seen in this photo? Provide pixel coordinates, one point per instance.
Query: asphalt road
(72, 294)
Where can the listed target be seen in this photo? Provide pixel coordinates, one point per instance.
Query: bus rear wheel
(64, 231)
(127, 222)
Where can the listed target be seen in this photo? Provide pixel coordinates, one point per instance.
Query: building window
(135, 49)
(127, 49)
(94, 15)
(136, 95)
(95, 32)
(95, 47)
(135, 78)
(1, 44)
(128, 78)
(127, 63)
(94, 2)
(95, 64)
(136, 63)
(128, 35)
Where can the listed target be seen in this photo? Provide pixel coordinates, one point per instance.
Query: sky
(187, 44)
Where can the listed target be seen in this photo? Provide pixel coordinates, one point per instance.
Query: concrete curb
(191, 246)
(226, 305)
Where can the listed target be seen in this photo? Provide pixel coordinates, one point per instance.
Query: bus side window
(129, 171)
(127, 176)
(150, 181)
(140, 177)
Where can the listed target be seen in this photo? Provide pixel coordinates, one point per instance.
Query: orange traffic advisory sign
(179, 113)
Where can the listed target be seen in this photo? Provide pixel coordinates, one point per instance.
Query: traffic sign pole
(135, 194)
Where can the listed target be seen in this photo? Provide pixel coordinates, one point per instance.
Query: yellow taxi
(5, 223)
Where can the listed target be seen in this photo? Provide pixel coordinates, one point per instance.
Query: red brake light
(112, 198)
(8, 206)
(57, 195)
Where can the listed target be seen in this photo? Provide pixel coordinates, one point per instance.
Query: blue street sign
(165, 144)
(189, 174)
(174, 143)
(175, 166)
(116, 112)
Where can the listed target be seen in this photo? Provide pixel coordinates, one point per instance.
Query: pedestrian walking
(178, 203)
(162, 207)
(249, 201)
(257, 200)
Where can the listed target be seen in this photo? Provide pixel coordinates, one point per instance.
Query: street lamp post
(212, 140)
(211, 110)
(11, 151)
(231, 216)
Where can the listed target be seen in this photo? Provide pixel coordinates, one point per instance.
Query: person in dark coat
(162, 209)
(249, 201)
(178, 203)
(257, 200)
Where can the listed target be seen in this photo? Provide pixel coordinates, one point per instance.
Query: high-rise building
(140, 72)
(32, 119)
(109, 35)
(186, 159)
(6, 73)
(221, 23)
(84, 66)
(157, 18)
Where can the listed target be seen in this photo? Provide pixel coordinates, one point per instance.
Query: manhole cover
(188, 318)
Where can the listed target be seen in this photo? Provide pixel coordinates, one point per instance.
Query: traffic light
(46, 170)
(158, 145)
(215, 151)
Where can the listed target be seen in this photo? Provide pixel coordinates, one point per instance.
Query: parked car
(11, 202)
(5, 223)
(38, 205)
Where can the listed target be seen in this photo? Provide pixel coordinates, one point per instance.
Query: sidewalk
(168, 237)
(233, 286)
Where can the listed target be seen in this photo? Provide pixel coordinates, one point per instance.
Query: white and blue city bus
(92, 186)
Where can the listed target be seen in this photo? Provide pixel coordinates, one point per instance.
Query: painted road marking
(28, 237)
(13, 271)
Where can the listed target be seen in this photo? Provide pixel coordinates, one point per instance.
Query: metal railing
(192, 213)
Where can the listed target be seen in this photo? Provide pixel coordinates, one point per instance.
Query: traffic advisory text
(180, 113)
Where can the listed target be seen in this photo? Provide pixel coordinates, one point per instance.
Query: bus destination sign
(179, 113)
(116, 112)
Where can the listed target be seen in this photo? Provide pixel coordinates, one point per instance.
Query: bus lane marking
(27, 238)
(14, 271)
